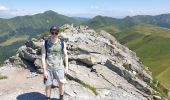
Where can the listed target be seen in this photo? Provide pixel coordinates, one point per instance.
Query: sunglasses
(54, 33)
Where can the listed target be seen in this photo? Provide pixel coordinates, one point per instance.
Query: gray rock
(25, 54)
(156, 97)
(87, 59)
(74, 89)
(38, 63)
(33, 44)
(83, 73)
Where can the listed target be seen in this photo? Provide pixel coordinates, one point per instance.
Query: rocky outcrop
(99, 66)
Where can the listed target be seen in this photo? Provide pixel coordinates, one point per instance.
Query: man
(53, 53)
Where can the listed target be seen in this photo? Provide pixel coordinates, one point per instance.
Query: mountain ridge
(111, 72)
(13, 30)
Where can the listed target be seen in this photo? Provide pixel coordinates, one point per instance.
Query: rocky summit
(100, 68)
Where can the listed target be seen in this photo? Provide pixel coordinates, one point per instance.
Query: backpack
(62, 46)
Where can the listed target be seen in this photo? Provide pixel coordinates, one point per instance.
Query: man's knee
(48, 87)
(61, 84)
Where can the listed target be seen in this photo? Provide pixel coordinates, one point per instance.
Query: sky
(84, 8)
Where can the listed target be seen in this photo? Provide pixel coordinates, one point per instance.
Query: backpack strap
(46, 48)
(62, 45)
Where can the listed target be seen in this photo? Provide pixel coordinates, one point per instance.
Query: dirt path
(21, 85)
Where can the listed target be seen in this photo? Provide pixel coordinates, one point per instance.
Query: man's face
(54, 33)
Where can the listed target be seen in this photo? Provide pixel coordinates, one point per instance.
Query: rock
(40, 71)
(108, 36)
(156, 97)
(38, 63)
(129, 77)
(87, 59)
(33, 44)
(83, 73)
(23, 53)
(74, 89)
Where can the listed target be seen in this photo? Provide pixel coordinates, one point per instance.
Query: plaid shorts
(57, 74)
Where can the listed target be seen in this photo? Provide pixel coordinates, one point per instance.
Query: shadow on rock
(31, 96)
(54, 99)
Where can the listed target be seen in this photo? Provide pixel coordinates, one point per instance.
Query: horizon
(82, 17)
(85, 9)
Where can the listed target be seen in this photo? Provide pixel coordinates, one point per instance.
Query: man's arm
(44, 65)
(65, 58)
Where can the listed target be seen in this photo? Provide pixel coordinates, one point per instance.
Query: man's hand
(45, 74)
(66, 70)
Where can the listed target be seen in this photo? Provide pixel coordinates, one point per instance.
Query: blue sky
(84, 8)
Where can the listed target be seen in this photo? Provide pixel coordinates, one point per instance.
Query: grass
(159, 88)
(93, 89)
(86, 85)
(14, 39)
(109, 29)
(3, 77)
(3, 34)
(164, 78)
(151, 44)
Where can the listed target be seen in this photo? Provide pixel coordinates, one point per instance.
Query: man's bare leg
(48, 92)
(61, 90)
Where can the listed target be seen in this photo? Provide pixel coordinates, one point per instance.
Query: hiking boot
(61, 97)
(48, 98)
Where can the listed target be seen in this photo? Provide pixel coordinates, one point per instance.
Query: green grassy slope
(151, 43)
(12, 30)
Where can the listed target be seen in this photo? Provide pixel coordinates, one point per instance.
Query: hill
(15, 31)
(162, 20)
(151, 43)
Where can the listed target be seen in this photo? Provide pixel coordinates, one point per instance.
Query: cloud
(3, 8)
(96, 8)
(6, 12)
(17, 12)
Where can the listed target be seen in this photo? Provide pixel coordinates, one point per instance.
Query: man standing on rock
(54, 52)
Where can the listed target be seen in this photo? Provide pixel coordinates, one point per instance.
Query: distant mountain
(162, 20)
(16, 30)
(101, 21)
(109, 24)
(34, 24)
(82, 19)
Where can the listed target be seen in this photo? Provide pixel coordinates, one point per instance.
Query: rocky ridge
(100, 67)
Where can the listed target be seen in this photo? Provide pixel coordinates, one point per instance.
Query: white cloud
(3, 8)
(17, 12)
(6, 12)
(96, 8)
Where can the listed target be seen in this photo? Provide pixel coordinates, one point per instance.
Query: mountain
(82, 19)
(95, 73)
(15, 31)
(162, 20)
(147, 35)
(134, 32)
(102, 22)
(113, 25)
(150, 42)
